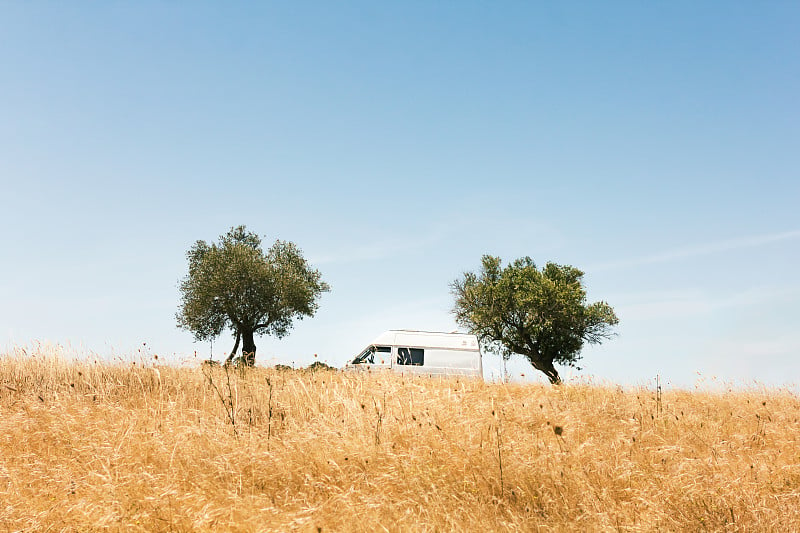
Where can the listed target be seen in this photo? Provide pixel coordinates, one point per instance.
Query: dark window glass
(384, 349)
(410, 356)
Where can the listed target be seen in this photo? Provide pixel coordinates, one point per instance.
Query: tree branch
(266, 324)
(235, 347)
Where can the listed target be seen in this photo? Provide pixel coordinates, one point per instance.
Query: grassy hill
(89, 446)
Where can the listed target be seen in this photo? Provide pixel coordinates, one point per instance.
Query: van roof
(438, 339)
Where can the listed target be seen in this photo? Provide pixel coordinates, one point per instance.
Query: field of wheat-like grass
(119, 446)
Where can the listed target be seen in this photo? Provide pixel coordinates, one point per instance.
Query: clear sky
(656, 146)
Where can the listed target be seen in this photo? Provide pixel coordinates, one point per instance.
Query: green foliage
(235, 285)
(319, 365)
(541, 314)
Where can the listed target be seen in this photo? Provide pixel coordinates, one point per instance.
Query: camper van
(421, 352)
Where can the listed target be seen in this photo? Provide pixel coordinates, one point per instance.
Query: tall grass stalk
(87, 446)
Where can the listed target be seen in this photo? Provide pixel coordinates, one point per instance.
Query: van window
(383, 355)
(368, 355)
(410, 356)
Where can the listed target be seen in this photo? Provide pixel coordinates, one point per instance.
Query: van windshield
(368, 355)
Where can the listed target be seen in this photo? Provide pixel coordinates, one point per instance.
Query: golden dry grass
(96, 446)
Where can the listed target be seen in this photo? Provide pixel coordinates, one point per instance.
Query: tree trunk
(552, 374)
(235, 348)
(546, 367)
(248, 348)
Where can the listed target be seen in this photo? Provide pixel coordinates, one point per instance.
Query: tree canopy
(234, 284)
(539, 314)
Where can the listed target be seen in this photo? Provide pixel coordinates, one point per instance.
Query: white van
(422, 352)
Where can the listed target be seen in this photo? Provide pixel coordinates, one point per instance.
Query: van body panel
(421, 352)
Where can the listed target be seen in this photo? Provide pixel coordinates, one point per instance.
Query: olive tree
(234, 284)
(539, 314)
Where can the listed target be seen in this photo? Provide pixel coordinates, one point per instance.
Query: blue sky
(655, 146)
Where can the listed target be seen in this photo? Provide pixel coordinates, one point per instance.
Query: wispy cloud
(688, 252)
(690, 303)
(781, 346)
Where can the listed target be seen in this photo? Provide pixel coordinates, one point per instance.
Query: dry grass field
(90, 446)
